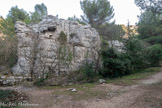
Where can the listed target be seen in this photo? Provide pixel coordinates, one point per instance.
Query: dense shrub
(86, 73)
(115, 64)
(39, 82)
(88, 70)
(5, 94)
(9, 96)
(62, 38)
(134, 49)
(76, 76)
(154, 54)
(154, 40)
(136, 55)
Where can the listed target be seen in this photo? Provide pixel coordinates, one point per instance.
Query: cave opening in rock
(52, 29)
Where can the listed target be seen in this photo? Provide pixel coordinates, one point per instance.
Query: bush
(126, 63)
(134, 49)
(39, 82)
(62, 38)
(5, 94)
(88, 70)
(154, 54)
(9, 96)
(154, 40)
(76, 76)
(115, 64)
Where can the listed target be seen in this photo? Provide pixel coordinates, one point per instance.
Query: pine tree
(40, 12)
(96, 12)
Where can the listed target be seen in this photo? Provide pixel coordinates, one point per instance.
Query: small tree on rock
(96, 12)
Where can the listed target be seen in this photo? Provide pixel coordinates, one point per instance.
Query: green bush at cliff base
(154, 54)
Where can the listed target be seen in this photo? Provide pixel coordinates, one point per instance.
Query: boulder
(72, 89)
(101, 81)
(6, 80)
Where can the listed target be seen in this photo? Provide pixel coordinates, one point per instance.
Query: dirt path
(153, 79)
(146, 94)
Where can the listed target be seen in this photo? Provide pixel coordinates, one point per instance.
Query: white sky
(124, 9)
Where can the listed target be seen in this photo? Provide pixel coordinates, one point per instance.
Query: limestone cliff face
(54, 46)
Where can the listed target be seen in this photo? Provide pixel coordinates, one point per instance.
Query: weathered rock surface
(116, 44)
(101, 81)
(54, 46)
(11, 80)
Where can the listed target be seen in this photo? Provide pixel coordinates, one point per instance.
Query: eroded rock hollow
(54, 46)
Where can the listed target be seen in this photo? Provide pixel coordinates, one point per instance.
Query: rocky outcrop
(116, 44)
(54, 46)
(12, 80)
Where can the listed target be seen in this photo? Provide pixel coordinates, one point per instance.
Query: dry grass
(84, 91)
(132, 79)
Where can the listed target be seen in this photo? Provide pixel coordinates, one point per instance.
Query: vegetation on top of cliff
(96, 12)
(39, 13)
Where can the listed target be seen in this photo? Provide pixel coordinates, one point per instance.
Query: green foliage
(136, 75)
(7, 27)
(8, 46)
(154, 40)
(134, 49)
(86, 73)
(104, 43)
(5, 94)
(16, 14)
(70, 56)
(62, 51)
(149, 24)
(110, 31)
(76, 76)
(73, 35)
(115, 64)
(76, 19)
(88, 70)
(62, 38)
(150, 28)
(65, 55)
(96, 12)
(40, 12)
(11, 99)
(39, 82)
(151, 5)
(154, 54)
(134, 56)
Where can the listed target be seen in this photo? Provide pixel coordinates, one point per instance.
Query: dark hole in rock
(50, 36)
(51, 29)
(73, 35)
